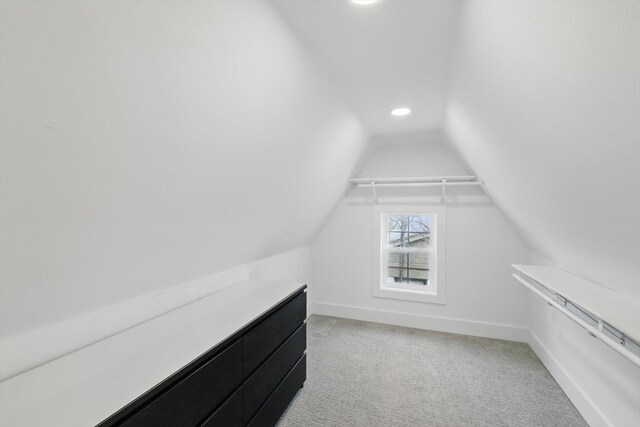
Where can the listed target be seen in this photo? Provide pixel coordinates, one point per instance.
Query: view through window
(409, 250)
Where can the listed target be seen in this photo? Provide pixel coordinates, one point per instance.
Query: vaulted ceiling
(187, 139)
(542, 99)
(544, 104)
(385, 55)
(148, 144)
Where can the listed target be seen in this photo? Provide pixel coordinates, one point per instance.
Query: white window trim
(436, 294)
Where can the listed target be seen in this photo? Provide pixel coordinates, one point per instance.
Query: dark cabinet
(266, 337)
(247, 380)
(267, 378)
(269, 414)
(229, 414)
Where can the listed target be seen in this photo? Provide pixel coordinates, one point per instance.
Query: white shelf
(605, 306)
(88, 385)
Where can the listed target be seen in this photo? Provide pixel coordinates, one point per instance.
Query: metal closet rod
(419, 184)
(422, 179)
(413, 182)
(592, 330)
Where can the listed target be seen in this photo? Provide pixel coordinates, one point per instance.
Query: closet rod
(419, 184)
(593, 331)
(434, 179)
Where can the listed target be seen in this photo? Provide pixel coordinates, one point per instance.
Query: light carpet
(369, 374)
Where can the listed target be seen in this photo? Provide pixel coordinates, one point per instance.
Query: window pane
(411, 268)
(420, 224)
(405, 231)
(395, 238)
(419, 240)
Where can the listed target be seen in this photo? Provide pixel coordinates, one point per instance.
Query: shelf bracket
(443, 193)
(373, 190)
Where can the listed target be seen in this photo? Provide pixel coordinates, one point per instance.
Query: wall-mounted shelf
(409, 182)
(605, 314)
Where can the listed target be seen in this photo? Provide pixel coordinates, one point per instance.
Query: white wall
(544, 101)
(149, 144)
(604, 386)
(481, 245)
(32, 348)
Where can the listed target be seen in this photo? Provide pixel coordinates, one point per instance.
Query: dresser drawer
(260, 342)
(229, 414)
(278, 402)
(267, 377)
(189, 401)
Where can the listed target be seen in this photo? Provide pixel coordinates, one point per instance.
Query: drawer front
(268, 335)
(229, 414)
(278, 402)
(188, 402)
(267, 377)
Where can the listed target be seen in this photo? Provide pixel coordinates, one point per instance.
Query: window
(409, 253)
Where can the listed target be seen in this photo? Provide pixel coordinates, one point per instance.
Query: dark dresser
(249, 379)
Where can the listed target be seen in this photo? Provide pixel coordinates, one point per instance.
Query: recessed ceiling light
(401, 111)
(364, 2)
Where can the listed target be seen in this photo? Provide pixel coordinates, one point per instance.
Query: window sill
(409, 295)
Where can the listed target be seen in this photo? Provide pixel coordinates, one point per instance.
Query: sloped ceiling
(544, 104)
(184, 140)
(392, 53)
(146, 144)
(542, 100)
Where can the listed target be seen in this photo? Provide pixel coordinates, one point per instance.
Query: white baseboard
(574, 392)
(434, 323)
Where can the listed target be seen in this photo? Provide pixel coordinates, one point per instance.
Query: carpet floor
(374, 375)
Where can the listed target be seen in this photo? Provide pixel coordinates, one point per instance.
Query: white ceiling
(392, 53)
(541, 101)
